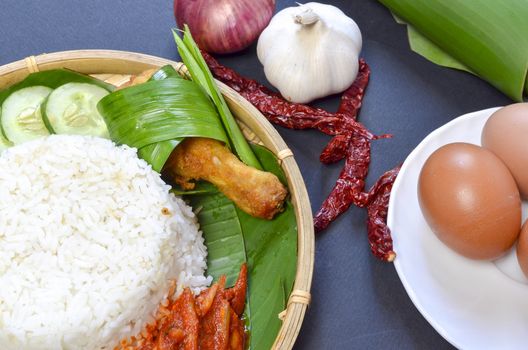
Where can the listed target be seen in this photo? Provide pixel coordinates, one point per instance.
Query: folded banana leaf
(155, 116)
(165, 72)
(486, 37)
(156, 154)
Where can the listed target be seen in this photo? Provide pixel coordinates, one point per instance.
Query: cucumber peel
(72, 109)
(21, 117)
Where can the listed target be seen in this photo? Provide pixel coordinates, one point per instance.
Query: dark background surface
(358, 301)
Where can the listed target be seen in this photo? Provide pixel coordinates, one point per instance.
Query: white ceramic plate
(472, 304)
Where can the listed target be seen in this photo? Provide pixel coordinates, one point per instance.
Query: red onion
(224, 26)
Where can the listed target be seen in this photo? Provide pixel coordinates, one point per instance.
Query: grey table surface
(358, 301)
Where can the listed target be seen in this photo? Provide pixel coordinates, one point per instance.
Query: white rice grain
(86, 247)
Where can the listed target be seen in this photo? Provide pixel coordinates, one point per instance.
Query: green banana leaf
(425, 47)
(165, 72)
(222, 232)
(156, 154)
(270, 247)
(158, 111)
(201, 187)
(488, 38)
(200, 73)
(271, 250)
(429, 50)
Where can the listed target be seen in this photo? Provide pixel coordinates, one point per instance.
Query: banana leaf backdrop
(488, 38)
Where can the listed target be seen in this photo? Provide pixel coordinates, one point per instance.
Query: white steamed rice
(86, 253)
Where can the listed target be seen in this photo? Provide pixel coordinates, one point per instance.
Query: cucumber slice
(4, 143)
(53, 79)
(72, 109)
(21, 117)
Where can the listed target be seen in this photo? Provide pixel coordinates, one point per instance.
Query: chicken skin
(256, 192)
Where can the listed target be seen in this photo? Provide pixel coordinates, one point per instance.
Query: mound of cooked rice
(89, 239)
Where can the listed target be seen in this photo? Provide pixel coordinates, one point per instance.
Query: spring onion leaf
(200, 73)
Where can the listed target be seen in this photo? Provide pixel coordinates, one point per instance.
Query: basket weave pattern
(116, 67)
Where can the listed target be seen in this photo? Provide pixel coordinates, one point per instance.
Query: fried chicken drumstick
(256, 192)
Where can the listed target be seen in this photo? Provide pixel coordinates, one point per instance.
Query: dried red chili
(336, 149)
(379, 234)
(282, 112)
(351, 182)
(349, 106)
(349, 186)
(350, 101)
(352, 98)
(351, 140)
(387, 179)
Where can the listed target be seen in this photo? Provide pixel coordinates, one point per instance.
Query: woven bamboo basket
(116, 67)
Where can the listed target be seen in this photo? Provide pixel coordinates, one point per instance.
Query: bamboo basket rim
(113, 62)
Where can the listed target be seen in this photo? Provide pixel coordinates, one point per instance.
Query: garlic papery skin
(310, 51)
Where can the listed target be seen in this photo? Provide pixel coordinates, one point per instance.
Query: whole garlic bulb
(310, 51)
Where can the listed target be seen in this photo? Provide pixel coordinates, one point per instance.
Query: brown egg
(522, 249)
(470, 200)
(506, 134)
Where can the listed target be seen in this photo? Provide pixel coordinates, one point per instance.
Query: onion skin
(224, 26)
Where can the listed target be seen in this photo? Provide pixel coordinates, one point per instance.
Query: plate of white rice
(90, 238)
